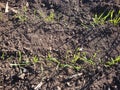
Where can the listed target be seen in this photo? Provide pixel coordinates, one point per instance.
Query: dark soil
(70, 29)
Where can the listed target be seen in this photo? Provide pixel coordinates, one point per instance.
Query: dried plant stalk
(2, 5)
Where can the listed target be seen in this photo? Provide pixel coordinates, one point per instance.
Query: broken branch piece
(7, 8)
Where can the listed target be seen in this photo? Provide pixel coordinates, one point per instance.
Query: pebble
(22, 76)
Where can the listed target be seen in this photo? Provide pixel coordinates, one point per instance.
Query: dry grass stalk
(2, 5)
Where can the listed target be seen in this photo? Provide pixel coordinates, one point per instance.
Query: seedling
(3, 56)
(76, 57)
(22, 16)
(35, 13)
(82, 56)
(20, 62)
(65, 65)
(24, 9)
(47, 18)
(35, 59)
(85, 59)
(113, 61)
(115, 20)
(77, 67)
(50, 18)
(50, 58)
(102, 18)
(20, 56)
(71, 66)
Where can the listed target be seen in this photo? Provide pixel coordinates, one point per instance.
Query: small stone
(24, 70)
(22, 76)
(58, 88)
(68, 84)
(81, 49)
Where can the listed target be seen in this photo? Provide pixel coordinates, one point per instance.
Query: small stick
(7, 7)
(38, 86)
(74, 76)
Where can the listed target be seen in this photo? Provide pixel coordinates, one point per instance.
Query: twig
(74, 76)
(7, 7)
(38, 86)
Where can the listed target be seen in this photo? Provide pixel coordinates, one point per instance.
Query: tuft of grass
(50, 58)
(59, 64)
(111, 16)
(35, 59)
(71, 66)
(20, 62)
(83, 56)
(65, 65)
(50, 17)
(22, 17)
(76, 56)
(115, 20)
(101, 19)
(113, 61)
(47, 18)
(86, 59)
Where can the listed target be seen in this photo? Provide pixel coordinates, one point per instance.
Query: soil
(70, 29)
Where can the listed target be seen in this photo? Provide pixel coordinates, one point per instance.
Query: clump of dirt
(39, 46)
